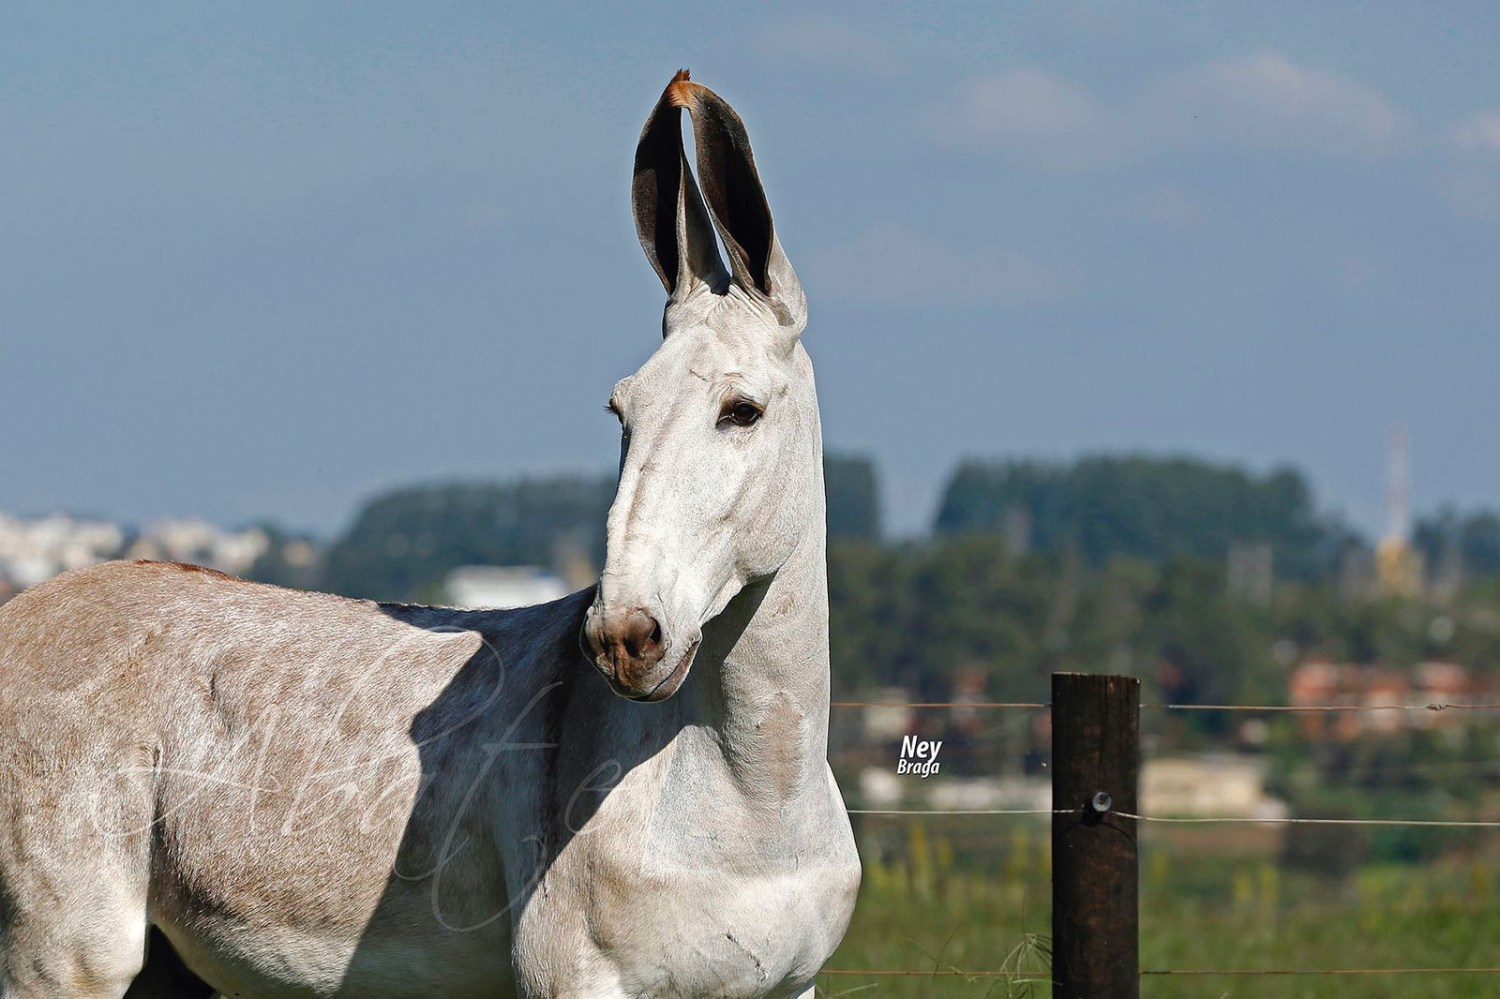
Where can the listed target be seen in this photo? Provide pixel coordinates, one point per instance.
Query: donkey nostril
(641, 635)
(593, 634)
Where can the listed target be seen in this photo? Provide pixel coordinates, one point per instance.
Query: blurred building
(1216, 784)
(499, 587)
(1398, 564)
(200, 543)
(36, 549)
(1384, 694)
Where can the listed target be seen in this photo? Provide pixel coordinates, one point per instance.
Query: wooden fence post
(1095, 895)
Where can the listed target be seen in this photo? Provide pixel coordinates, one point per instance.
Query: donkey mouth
(673, 680)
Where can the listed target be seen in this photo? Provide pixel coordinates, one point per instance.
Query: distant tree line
(917, 615)
(403, 543)
(1117, 563)
(1151, 509)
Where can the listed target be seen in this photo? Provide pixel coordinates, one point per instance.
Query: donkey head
(720, 454)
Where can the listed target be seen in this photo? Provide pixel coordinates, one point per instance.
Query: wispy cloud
(1470, 179)
(1479, 133)
(891, 264)
(816, 40)
(1265, 101)
(1032, 114)
(1259, 102)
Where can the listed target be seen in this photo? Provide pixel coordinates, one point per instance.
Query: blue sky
(265, 261)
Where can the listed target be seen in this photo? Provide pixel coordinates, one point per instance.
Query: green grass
(950, 896)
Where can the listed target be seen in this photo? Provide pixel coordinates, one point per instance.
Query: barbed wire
(1433, 706)
(962, 811)
(916, 973)
(993, 973)
(1320, 971)
(1254, 820)
(987, 705)
(1253, 708)
(1429, 706)
(1296, 820)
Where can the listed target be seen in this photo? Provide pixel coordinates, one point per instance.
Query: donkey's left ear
(737, 202)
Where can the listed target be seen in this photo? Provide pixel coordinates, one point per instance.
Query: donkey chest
(682, 917)
(702, 932)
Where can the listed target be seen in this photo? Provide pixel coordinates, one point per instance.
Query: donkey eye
(614, 407)
(740, 413)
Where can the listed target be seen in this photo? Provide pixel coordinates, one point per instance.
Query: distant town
(38, 548)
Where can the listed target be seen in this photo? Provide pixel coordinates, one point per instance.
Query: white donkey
(295, 794)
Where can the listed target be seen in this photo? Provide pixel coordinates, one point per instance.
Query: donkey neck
(763, 696)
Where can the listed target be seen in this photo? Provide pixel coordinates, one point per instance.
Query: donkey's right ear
(670, 219)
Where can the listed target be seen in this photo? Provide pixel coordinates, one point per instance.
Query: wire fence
(1248, 708)
(1216, 819)
(1225, 972)
(1014, 974)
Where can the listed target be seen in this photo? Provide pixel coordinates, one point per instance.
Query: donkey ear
(669, 215)
(726, 167)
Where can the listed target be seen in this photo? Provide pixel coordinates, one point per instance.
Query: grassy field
(955, 894)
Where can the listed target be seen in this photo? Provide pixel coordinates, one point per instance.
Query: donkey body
(314, 796)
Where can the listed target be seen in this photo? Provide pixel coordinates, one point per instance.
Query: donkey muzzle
(628, 647)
